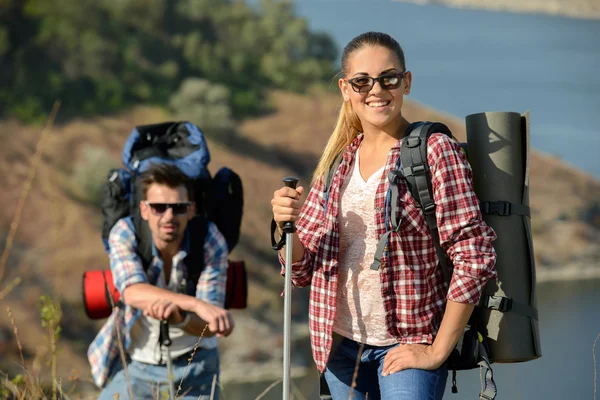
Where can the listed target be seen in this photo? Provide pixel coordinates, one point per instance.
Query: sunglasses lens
(362, 84)
(180, 208)
(390, 81)
(158, 208)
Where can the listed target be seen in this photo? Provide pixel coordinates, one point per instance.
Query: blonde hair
(348, 125)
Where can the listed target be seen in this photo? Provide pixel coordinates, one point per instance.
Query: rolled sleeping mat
(99, 293)
(498, 151)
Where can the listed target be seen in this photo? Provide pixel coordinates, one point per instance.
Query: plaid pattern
(103, 353)
(412, 285)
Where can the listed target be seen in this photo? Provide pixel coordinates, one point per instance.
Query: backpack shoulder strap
(328, 179)
(416, 172)
(197, 230)
(143, 236)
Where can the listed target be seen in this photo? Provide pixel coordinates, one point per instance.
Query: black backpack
(219, 199)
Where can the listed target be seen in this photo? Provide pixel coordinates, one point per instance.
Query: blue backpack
(218, 199)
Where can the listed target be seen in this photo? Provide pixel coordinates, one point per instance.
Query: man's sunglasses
(161, 208)
(364, 84)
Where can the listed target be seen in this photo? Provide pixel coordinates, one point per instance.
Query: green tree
(100, 56)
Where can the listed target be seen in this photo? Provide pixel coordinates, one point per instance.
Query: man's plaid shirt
(103, 353)
(412, 285)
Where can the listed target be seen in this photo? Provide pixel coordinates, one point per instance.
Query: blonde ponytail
(347, 127)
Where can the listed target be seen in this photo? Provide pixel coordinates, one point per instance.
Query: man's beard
(172, 236)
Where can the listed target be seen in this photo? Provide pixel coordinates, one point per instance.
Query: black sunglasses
(161, 208)
(364, 84)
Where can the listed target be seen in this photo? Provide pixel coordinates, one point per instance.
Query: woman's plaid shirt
(412, 286)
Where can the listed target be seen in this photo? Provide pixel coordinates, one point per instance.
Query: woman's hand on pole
(286, 205)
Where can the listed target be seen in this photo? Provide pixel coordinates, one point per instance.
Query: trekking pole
(288, 229)
(165, 340)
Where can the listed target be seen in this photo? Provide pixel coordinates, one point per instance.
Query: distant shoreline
(569, 273)
(581, 9)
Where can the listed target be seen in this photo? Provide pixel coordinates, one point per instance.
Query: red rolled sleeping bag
(98, 288)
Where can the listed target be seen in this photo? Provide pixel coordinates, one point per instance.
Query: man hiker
(160, 292)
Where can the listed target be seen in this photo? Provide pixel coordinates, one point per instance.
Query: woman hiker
(398, 324)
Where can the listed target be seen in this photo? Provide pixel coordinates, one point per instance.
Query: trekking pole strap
(275, 245)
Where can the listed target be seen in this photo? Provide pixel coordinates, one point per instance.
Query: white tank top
(360, 312)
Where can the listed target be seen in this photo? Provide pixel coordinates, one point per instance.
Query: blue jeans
(411, 384)
(150, 381)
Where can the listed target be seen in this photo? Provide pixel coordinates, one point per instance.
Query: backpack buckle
(413, 142)
(499, 303)
(393, 177)
(418, 169)
(429, 208)
(501, 208)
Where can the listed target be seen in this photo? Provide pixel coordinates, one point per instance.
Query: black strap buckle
(413, 141)
(501, 208)
(393, 177)
(417, 169)
(429, 208)
(500, 303)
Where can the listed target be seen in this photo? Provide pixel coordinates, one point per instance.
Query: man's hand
(218, 319)
(407, 356)
(165, 310)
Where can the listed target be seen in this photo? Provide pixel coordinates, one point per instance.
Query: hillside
(59, 234)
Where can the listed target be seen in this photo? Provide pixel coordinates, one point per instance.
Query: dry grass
(37, 156)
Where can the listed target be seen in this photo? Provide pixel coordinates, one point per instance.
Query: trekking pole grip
(290, 226)
(164, 333)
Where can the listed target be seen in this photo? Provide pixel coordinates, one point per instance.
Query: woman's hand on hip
(406, 356)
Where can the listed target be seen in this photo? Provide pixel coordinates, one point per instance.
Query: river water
(468, 61)
(569, 323)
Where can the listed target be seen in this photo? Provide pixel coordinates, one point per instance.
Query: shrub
(89, 174)
(205, 104)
